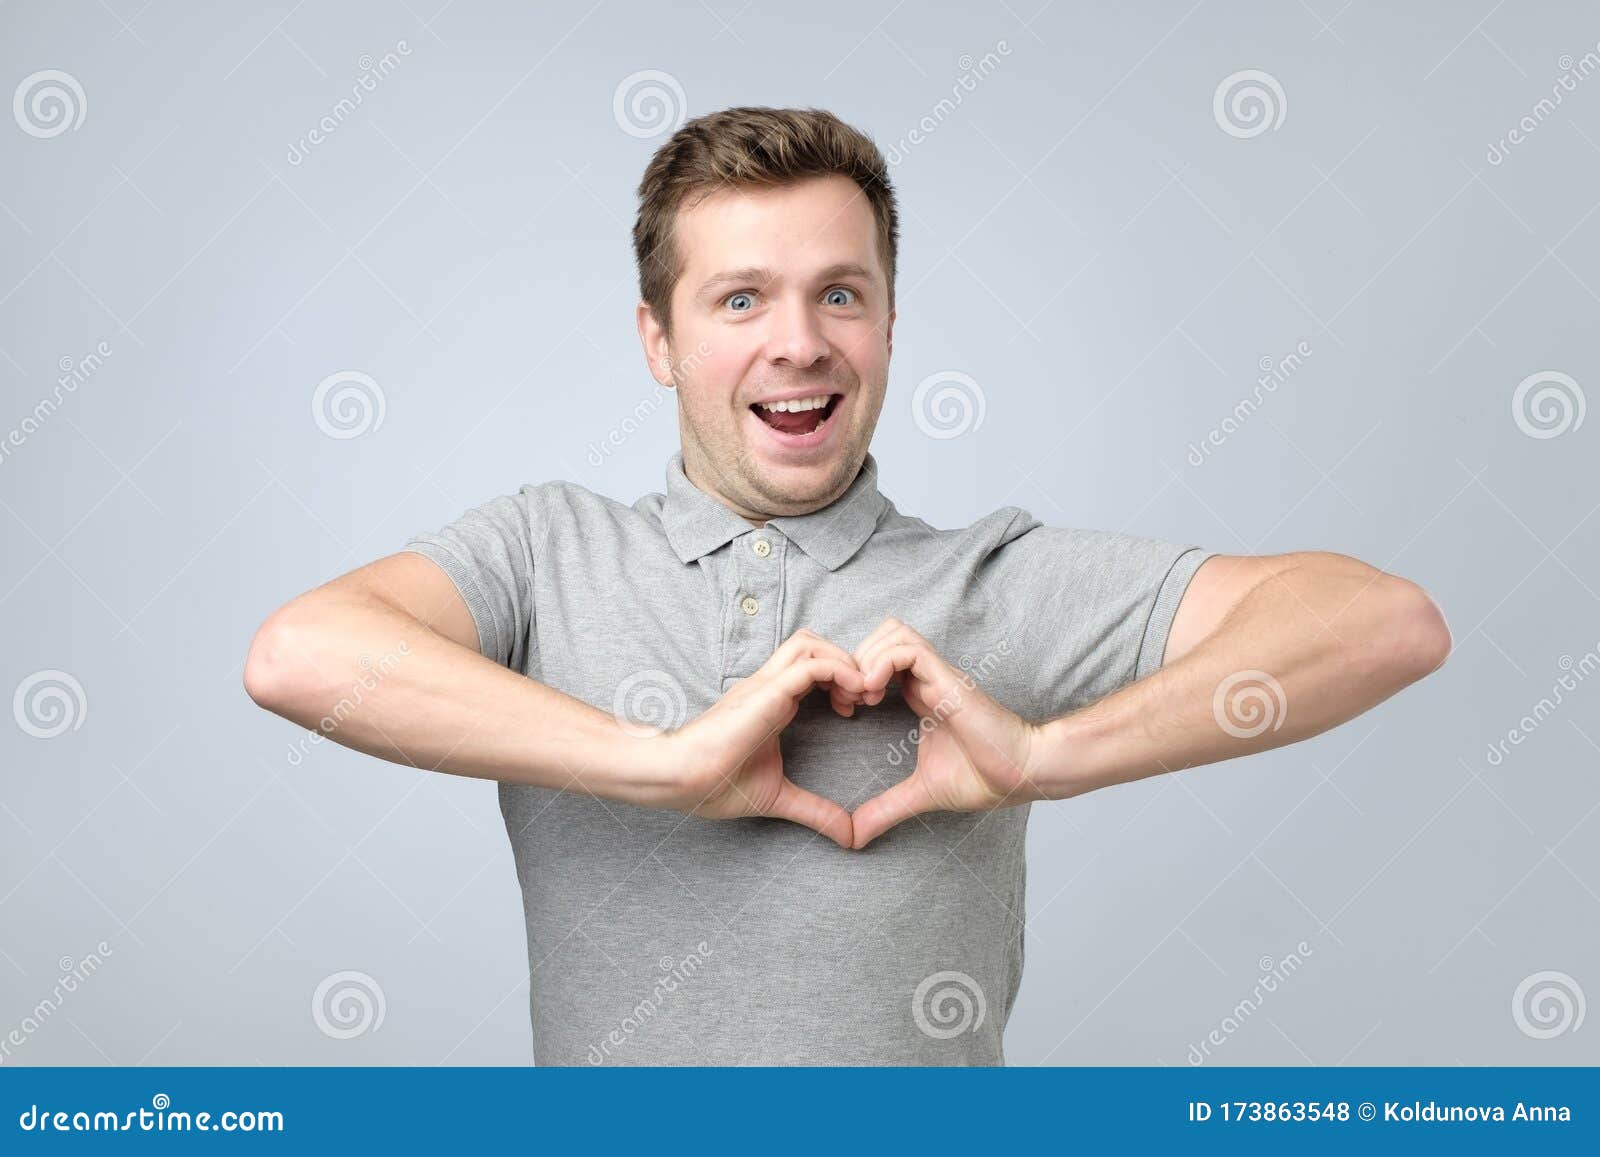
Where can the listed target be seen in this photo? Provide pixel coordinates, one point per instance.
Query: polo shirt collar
(697, 524)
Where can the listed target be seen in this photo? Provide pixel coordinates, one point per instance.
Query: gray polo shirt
(656, 937)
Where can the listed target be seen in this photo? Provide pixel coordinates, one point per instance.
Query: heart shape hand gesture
(972, 753)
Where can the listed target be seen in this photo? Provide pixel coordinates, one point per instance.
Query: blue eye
(735, 297)
(838, 289)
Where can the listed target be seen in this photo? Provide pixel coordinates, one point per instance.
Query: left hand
(972, 753)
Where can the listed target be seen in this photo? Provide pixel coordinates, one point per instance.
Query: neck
(700, 475)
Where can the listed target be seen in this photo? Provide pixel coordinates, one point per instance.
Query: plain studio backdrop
(281, 285)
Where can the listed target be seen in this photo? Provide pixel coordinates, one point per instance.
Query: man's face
(782, 297)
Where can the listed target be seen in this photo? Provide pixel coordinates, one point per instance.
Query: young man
(717, 865)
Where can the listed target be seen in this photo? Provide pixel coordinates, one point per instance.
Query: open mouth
(800, 417)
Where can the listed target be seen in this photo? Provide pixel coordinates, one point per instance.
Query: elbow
(1419, 640)
(269, 672)
(263, 668)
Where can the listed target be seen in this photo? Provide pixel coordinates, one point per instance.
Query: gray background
(1081, 237)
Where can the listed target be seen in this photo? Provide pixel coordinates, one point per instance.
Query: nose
(796, 336)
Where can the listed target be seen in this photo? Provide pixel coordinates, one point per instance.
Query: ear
(656, 343)
(888, 336)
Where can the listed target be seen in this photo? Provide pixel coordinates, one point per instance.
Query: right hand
(726, 763)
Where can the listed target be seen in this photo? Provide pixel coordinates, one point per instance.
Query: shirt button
(748, 605)
(762, 547)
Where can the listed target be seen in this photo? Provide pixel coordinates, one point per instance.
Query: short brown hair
(755, 146)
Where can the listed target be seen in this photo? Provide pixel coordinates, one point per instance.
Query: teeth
(797, 404)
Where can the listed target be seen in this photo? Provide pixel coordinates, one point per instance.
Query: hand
(972, 753)
(726, 763)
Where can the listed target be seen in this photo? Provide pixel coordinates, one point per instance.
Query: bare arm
(1263, 652)
(385, 660)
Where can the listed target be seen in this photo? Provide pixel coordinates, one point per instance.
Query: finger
(866, 660)
(889, 631)
(786, 652)
(799, 677)
(803, 644)
(893, 634)
(882, 629)
(839, 676)
(912, 690)
(894, 806)
(886, 632)
(808, 809)
(913, 656)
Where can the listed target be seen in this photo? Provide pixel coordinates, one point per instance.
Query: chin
(807, 484)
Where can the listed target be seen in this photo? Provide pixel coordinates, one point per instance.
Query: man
(765, 744)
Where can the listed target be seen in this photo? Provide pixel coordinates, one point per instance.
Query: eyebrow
(763, 276)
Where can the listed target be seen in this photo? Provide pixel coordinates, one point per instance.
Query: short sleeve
(1092, 608)
(489, 554)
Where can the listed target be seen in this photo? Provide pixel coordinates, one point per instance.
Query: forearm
(1301, 652)
(371, 677)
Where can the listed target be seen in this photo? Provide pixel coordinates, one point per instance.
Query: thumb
(807, 808)
(894, 806)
